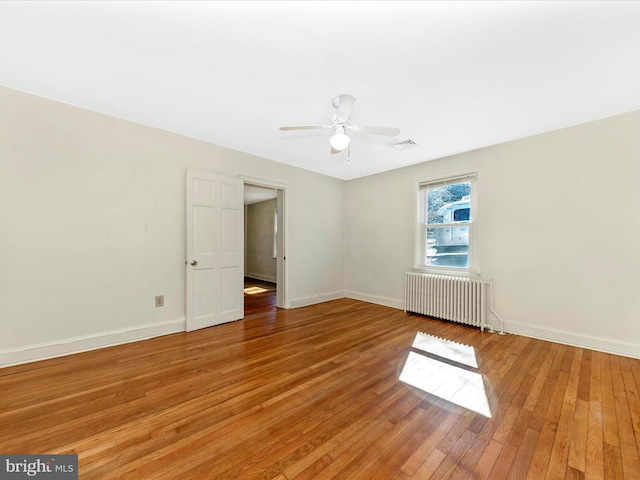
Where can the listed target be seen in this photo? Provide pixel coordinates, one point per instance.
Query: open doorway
(264, 255)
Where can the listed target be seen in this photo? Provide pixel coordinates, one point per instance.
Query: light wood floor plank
(559, 452)
(578, 444)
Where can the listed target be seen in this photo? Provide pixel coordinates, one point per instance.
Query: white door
(215, 249)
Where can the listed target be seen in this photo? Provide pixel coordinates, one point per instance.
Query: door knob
(194, 262)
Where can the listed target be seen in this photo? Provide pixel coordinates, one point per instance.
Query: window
(446, 230)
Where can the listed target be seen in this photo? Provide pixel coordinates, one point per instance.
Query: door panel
(203, 229)
(231, 225)
(230, 277)
(215, 226)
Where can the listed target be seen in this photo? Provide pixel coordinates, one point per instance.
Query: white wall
(92, 227)
(560, 229)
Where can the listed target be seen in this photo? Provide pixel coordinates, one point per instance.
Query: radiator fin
(451, 298)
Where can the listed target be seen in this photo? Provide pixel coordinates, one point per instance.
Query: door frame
(282, 297)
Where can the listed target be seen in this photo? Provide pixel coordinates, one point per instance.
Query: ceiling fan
(340, 123)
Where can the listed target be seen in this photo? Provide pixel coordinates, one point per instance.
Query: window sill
(451, 272)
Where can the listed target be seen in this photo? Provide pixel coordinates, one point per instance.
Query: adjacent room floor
(259, 296)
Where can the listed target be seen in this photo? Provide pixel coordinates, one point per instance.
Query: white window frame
(473, 270)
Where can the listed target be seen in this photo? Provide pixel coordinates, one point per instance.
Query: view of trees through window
(447, 225)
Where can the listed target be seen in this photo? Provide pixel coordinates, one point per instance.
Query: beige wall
(92, 227)
(559, 229)
(259, 262)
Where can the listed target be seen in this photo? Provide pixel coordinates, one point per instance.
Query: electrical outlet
(160, 301)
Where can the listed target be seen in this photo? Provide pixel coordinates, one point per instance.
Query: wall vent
(404, 144)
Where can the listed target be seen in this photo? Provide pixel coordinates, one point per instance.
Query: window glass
(446, 233)
(461, 215)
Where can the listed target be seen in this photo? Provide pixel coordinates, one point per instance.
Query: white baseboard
(551, 335)
(257, 276)
(33, 353)
(566, 338)
(387, 302)
(324, 297)
(70, 346)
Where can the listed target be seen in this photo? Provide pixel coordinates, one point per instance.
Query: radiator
(457, 299)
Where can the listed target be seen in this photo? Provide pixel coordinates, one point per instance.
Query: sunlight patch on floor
(452, 383)
(254, 290)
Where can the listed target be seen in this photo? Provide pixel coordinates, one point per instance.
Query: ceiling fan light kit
(340, 122)
(339, 141)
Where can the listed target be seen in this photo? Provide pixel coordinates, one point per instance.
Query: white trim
(567, 338)
(257, 276)
(447, 272)
(387, 302)
(450, 180)
(261, 182)
(321, 298)
(70, 346)
(549, 335)
(474, 268)
(43, 351)
(283, 284)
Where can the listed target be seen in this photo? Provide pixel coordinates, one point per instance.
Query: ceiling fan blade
(305, 127)
(388, 131)
(345, 104)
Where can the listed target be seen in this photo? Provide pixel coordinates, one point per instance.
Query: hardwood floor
(343, 389)
(259, 296)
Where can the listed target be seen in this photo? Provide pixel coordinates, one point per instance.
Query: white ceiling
(453, 76)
